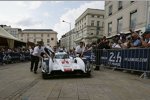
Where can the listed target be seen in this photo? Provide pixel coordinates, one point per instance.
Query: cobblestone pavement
(18, 83)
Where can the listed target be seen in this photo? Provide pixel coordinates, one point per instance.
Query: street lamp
(69, 32)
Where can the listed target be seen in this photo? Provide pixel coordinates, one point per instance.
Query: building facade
(68, 40)
(48, 36)
(13, 31)
(120, 16)
(89, 26)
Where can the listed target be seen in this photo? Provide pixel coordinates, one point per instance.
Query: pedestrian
(36, 55)
(97, 52)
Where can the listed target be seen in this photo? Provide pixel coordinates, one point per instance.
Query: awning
(5, 34)
(138, 29)
(128, 32)
(108, 37)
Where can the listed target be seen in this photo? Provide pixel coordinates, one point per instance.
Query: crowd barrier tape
(14, 57)
(131, 59)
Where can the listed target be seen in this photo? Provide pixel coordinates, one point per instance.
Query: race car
(63, 63)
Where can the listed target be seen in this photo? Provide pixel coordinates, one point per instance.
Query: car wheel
(88, 74)
(88, 66)
(44, 76)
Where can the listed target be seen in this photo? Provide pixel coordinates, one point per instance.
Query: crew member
(80, 49)
(36, 55)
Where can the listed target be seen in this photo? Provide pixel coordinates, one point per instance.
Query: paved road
(18, 83)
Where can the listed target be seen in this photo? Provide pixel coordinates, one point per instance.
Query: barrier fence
(14, 57)
(130, 59)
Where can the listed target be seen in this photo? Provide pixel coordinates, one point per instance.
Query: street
(18, 83)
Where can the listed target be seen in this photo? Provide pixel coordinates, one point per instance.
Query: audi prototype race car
(62, 63)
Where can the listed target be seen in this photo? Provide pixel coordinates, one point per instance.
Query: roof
(5, 34)
(37, 30)
(90, 10)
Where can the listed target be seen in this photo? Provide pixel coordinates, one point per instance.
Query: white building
(89, 26)
(13, 31)
(48, 36)
(68, 40)
(120, 16)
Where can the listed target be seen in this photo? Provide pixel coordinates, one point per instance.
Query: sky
(44, 14)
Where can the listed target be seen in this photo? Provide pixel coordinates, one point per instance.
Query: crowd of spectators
(10, 50)
(122, 41)
(9, 55)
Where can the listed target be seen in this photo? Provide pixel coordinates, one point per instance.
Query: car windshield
(62, 56)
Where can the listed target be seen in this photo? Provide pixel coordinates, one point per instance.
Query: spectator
(116, 44)
(72, 52)
(146, 40)
(136, 41)
(98, 53)
(124, 42)
(64, 49)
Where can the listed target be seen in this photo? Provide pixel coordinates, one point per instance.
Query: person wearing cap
(146, 40)
(36, 55)
(80, 49)
(136, 41)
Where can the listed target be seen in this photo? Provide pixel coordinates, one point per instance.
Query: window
(21, 35)
(48, 41)
(133, 19)
(110, 10)
(119, 5)
(47, 35)
(27, 35)
(92, 23)
(34, 40)
(131, 1)
(119, 25)
(102, 24)
(41, 35)
(98, 23)
(92, 16)
(109, 28)
(98, 16)
(97, 32)
(52, 39)
(101, 16)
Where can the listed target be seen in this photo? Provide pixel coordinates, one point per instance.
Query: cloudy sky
(44, 14)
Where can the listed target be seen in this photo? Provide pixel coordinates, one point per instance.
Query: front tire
(44, 76)
(88, 74)
(88, 69)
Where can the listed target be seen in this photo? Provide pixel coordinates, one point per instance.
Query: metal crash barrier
(14, 57)
(129, 59)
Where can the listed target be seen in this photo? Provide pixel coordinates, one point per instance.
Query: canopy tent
(10, 38)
